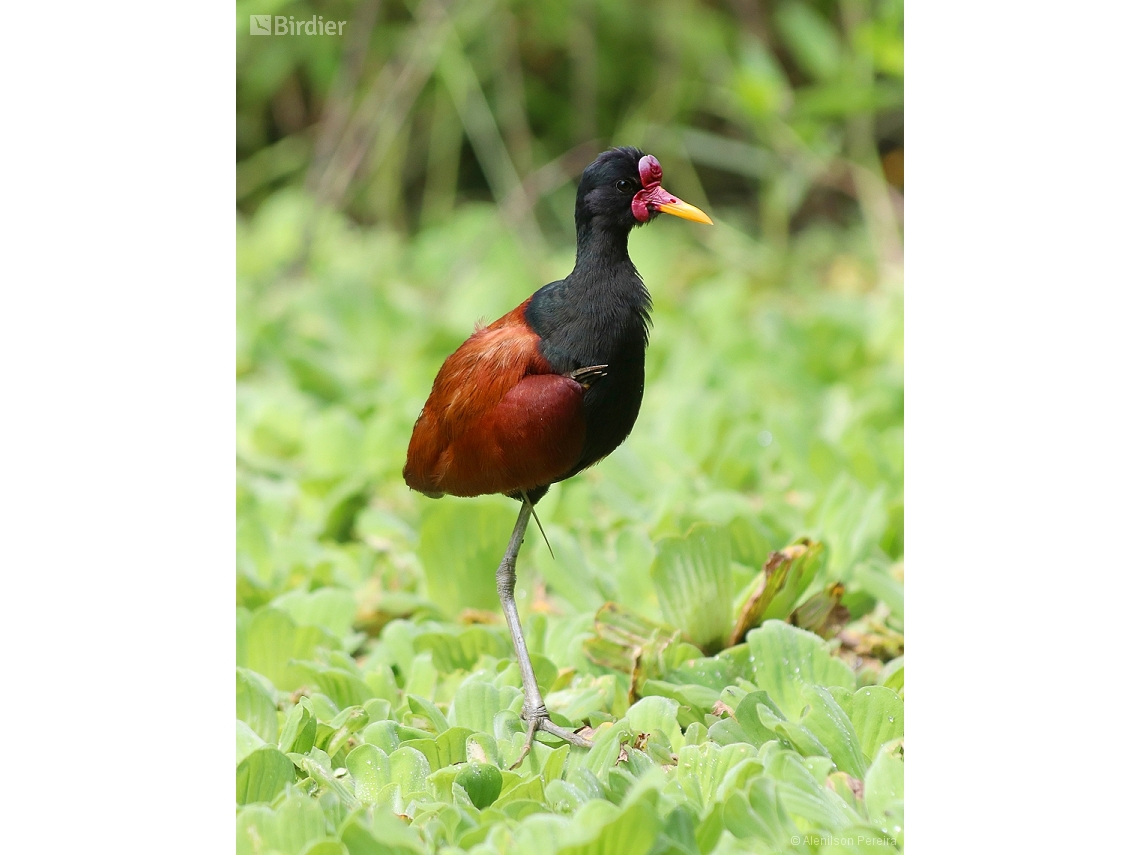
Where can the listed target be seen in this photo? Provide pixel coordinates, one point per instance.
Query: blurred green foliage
(776, 113)
(418, 174)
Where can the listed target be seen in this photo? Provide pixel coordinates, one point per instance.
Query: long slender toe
(530, 731)
(543, 723)
(564, 733)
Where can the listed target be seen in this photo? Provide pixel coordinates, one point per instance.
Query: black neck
(600, 312)
(603, 260)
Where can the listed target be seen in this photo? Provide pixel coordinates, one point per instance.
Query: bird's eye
(624, 185)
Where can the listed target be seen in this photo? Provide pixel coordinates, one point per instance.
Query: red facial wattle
(653, 197)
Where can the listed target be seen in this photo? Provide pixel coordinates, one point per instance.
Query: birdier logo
(280, 25)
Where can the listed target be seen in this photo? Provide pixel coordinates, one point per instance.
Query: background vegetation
(418, 174)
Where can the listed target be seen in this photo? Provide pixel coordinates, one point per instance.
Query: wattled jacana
(553, 386)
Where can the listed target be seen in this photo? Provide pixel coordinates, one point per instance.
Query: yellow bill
(685, 211)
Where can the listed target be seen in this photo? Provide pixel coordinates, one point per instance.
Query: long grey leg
(533, 707)
(534, 710)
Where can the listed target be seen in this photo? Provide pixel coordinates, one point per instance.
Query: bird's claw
(541, 721)
(586, 376)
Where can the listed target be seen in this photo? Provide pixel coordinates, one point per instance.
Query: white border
(117, 343)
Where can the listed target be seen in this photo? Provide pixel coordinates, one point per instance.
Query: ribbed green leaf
(693, 579)
(831, 725)
(477, 703)
(256, 705)
(371, 771)
(327, 846)
(273, 640)
(410, 770)
(877, 714)
(343, 687)
(453, 652)
(482, 781)
(656, 715)
(631, 832)
(262, 774)
(247, 740)
(702, 769)
(758, 815)
(804, 796)
(425, 709)
(883, 790)
(295, 825)
(785, 659)
(461, 544)
(300, 729)
(333, 609)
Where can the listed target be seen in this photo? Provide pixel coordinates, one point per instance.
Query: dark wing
(497, 420)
